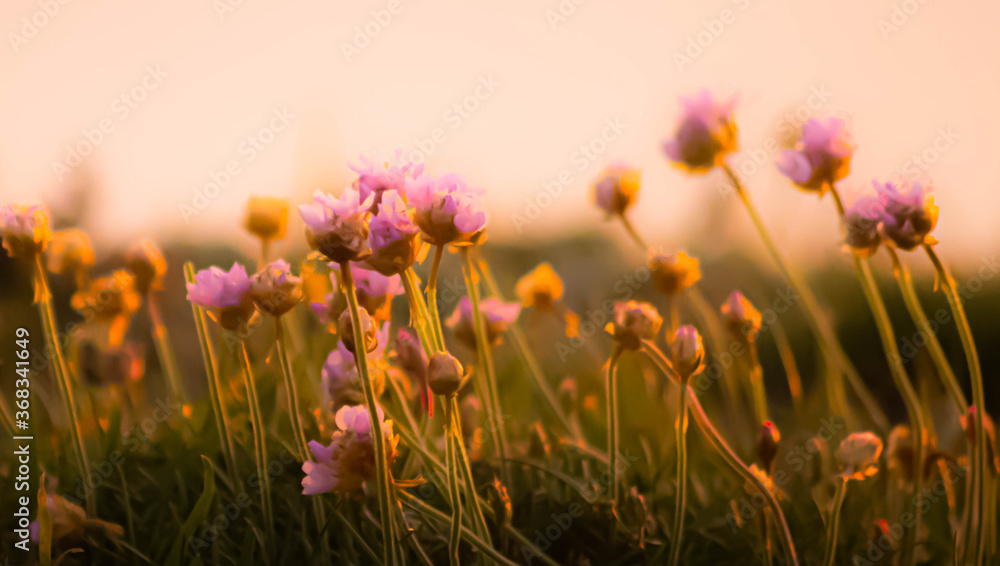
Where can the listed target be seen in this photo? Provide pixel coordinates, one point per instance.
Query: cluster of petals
(349, 460)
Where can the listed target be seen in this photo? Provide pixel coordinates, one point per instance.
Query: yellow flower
(672, 273)
(266, 217)
(540, 288)
(70, 252)
(147, 265)
(109, 301)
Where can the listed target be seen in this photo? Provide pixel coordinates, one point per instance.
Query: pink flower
(392, 236)
(340, 373)
(496, 314)
(375, 178)
(909, 213)
(705, 135)
(25, 230)
(374, 290)
(448, 211)
(275, 290)
(821, 157)
(863, 225)
(349, 460)
(227, 296)
(617, 187)
(687, 351)
(338, 228)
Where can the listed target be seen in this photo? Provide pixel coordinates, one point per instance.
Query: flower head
(70, 252)
(393, 236)
(227, 295)
(863, 226)
(25, 230)
(687, 351)
(338, 227)
(109, 301)
(634, 322)
(444, 373)
(447, 210)
(672, 273)
(767, 444)
(821, 157)
(858, 455)
(496, 315)
(349, 460)
(376, 178)
(340, 373)
(909, 213)
(146, 263)
(540, 288)
(374, 291)
(741, 317)
(274, 289)
(617, 188)
(705, 135)
(266, 217)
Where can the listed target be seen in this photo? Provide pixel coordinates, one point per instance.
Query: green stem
(485, 355)
(976, 542)
(164, 350)
(214, 389)
(727, 453)
(260, 442)
(382, 472)
(834, 524)
(432, 303)
(483, 545)
(453, 436)
(788, 362)
(678, 530)
(44, 299)
(611, 396)
(757, 385)
(419, 315)
(818, 323)
(466, 469)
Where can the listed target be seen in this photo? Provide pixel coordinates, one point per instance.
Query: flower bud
(266, 217)
(25, 230)
(227, 295)
(410, 353)
(146, 263)
(858, 455)
(863, 226)
(368, 331)
(687, 351)
(338, 228)
(767, 444)
(274, 289)
(617, 188)
(69, 252)
(540, 288)
(742, 319)
(672, 273)
(444, 373)
(634, 322)
(705, 136)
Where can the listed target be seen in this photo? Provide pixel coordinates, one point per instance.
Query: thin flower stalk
(214, 389)
(432, 303)
(611, 397)
(727, 453)
(383, 477)
(788, 362)
(260, 440)
(465, 469)
(419, 313)
(453, 488)
(824, 332)
(681, 501)
(975, 539)
(483, 545)
(43, 298)
(485, 356)
(833, 524)
(757, 386)
(164, 349)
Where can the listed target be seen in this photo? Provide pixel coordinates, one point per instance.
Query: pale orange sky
(218, 79)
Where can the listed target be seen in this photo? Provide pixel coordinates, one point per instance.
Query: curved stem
(678, 530)
(260, 442)
(483, 545)
(821, 327)
(453, 488)
(383, 476)
(975, 541)
(727, 453)
(43, 297)
(834, 524)
(757, 385)
(164, 350)
(611, 396)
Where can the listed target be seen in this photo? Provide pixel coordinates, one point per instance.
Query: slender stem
(611, 397)
(164, 350)
(757, 386)
(934, 348)
(727, 453)
(214, 389)
(975, 543)
(678, 530)
(382, 472)
(260, 442)
(432, 303)
(43, 297)
(453, 436)
(630, 228)
(788, 362)
(485, 355)
(820, 325)
(466, 469)
(833, 525)
(419, 315)
(483, 545)
(291, 390)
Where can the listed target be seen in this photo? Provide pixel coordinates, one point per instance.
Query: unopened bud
(444, 373)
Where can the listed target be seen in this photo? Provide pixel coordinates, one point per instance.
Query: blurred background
(147, 119)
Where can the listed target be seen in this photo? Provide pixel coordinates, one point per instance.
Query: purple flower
(863, 225)
(375, 178)
(374, 291)
(448, 211)
(497, 316)
(909, 213)
(274, 289)
(226, 295)
(821, 157)
(349, 460)
(392, 236)
(340, 373)
(617, 187)
(338, 228)
(25, 230)
(687, 351)
(705, 135)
